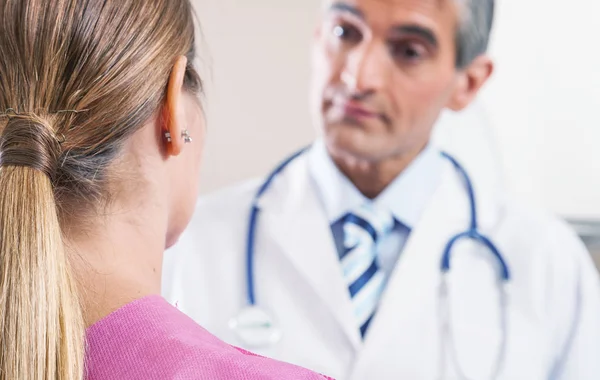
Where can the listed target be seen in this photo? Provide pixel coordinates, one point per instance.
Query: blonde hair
(77, 78)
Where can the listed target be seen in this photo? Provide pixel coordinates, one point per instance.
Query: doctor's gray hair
(474, 29)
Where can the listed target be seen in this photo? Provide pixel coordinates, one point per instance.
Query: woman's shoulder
(150, 339)
(236, 365)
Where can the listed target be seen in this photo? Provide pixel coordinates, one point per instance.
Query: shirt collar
(406, 197)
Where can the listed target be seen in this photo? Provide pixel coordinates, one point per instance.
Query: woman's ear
(470, 81)
(173, 114)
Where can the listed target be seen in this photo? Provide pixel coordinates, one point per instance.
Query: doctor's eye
(408, 51)
(346, 33)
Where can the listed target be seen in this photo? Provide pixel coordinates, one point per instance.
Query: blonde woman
(101, 136)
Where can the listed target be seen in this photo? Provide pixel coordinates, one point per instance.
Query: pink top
(150, 339)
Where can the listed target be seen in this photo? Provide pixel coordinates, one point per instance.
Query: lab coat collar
(292, 217)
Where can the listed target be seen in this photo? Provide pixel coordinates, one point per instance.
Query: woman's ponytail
(40, 315)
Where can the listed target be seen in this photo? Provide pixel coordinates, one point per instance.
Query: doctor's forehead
(397, 11)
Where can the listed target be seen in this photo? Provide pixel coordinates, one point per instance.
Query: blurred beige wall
(257, 93)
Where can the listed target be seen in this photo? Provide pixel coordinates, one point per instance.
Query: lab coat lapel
(407, 310)
(294, 219)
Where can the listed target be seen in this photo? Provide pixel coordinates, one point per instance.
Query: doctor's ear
(469, 82)
(172, 128)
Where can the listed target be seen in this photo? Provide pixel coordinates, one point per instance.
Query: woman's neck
(118, 263)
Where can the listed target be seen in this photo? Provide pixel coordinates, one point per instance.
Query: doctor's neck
(371, 177)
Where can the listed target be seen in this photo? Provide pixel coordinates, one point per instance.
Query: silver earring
(168, 136)
(186, 136)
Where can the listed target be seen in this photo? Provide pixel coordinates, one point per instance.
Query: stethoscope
(447, 342)
(255, 328)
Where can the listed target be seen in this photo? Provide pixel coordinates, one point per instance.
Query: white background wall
(537, 119)
(545, 100)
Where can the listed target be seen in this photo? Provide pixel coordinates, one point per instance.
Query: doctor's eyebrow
(346, 8)
(417, 30)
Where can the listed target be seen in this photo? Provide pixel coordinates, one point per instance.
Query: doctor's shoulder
(219, 219)
(536, 240)
(545, 252)
(541, 232)
(230, 202)
(219, 213)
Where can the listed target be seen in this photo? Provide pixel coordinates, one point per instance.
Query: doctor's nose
(367, 69)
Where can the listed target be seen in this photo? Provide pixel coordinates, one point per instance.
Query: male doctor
(348, 271)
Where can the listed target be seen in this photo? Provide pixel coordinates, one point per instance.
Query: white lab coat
(299, 282)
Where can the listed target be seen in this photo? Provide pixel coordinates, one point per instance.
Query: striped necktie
(364, 229)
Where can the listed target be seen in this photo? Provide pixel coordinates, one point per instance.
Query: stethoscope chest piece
(254, 328)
